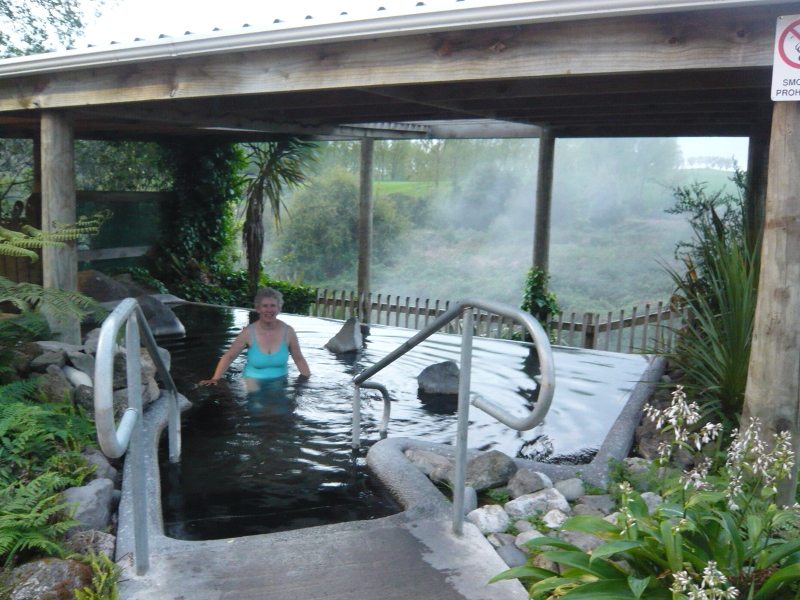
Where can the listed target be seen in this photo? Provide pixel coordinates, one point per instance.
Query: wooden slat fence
(652, 329)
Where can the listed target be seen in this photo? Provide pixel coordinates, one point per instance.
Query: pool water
(250, 468)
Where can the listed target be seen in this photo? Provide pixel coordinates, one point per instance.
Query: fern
(32, 517)
(58, 304)
(104, 579)
(21, 243)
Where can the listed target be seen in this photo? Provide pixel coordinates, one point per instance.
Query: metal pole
(463, 424)
(365, 222)
(544, 200)
(356, 417)
(134, 366)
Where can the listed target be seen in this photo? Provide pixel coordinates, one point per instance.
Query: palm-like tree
(280, 164)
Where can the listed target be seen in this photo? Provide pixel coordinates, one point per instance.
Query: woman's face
(268, 309)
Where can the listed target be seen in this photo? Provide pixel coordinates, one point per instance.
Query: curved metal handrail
(115, 441)
(464, 307)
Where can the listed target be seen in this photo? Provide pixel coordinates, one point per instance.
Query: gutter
(286, 36)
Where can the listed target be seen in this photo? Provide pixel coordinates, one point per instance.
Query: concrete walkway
(409, 556)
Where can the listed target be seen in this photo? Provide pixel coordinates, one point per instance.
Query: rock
(489, 470)
(572, 489)
(525, 536)
(47, 358)
(54, 385)
(160, 318)
(513, 557)
(427, 461)
(537, 503)
(584, 541)
(489, 519)
(470, 499)
(526, 481)
(652, 500)
(441, 378)
(555, 518)
(76, 377)
(95, 541)
(442, 473)
(613, 518)
(53, 346)
(348, 339)
(648, 438)
(583, 509)
(90, 341)
(544, 563)
(84, 397)
(102, 288)
(47, 579)
(603, 502)
(523, 526)
(133, 286)
(103, 469)
(501, 539)
(163, 353)
(81, 361)
(168, 298)
(23, 355)
(93, 504)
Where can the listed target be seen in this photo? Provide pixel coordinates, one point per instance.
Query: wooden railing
(648, 330)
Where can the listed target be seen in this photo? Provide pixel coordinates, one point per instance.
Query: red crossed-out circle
(793, 28)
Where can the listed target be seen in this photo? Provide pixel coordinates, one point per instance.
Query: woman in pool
(269, 341)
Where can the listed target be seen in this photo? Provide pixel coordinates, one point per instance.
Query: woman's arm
(297, 355)
(239, 344)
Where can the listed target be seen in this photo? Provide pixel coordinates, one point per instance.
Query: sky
(124, 20)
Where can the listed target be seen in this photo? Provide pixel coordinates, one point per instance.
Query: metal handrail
(115, 441)
(546, 384)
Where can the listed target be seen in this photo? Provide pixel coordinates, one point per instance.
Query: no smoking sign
(786, 62)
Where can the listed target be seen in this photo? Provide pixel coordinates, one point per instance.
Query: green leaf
(552, 583)
(524, 571)
(672, 547)
(614, 547)
(601, 590)
(638, 586)
(590, 524)
(781, 551)
(547, 541)
(787, 574)
(580, 560)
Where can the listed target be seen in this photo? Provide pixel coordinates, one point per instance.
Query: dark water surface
(248, 469)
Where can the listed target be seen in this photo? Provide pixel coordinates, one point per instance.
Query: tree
(33, 26)
(279, 165)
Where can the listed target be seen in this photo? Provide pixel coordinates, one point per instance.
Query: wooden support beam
(60, 265)
(736, 38)
(544, 200)
(757, 168)
(773, 379)
(365, 222)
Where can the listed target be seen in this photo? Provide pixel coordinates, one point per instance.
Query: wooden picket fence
(648, 330)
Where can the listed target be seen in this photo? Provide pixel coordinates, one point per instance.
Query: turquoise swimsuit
(266, 366)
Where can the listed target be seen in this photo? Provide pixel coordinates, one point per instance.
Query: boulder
(489, 470)
(489, 519)
(555, 518)
(49, 357)
(23, 355)
(523, 526)
(76, 377)
(84, 397)
(160, 318)
(53, 346)
(47, 579)
(584, 541)
(512, 556)
(501, 539)
(102, 288)
(572, 489)
(90, 341)
(538, 503)
(348, 339)
(524, 536)
(526, 481)
(441, 378)
(585, 510)
(99, 542)
(54, 385)
(93, 501)
(103, 469)
(544, 563)
(133, 286)
(652, 501)
(470, 499)
(427, 461)
(605, 503)
(81, 361)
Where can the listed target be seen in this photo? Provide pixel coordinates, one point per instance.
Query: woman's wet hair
(268, 292)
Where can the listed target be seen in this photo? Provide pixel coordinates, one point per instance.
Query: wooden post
(757, 165)
(365, 220)
(60, 265)
(544, 197)
(773, 378)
